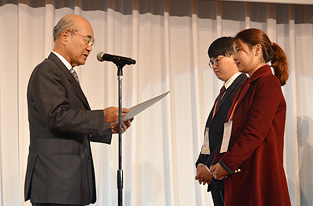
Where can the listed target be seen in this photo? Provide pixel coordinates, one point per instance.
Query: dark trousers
(48, 204)
(217, 192)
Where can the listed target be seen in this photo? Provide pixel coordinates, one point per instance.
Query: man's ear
(233, 56)
(65, 36)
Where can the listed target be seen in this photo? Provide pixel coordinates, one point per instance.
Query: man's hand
(203, 175)
(111, 114)
(125, 125)
(218, 171)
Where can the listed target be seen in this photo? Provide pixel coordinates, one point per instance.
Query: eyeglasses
(89, 40)
(215, 61)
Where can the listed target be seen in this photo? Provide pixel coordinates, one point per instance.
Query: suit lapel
(70, 77)
(229, 91)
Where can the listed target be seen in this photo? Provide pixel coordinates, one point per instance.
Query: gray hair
(66, 23)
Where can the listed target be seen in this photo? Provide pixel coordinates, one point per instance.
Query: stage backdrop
(169, 40)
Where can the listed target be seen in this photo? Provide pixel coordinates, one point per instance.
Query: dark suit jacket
(60, 166)
(257, 143)
(216, 125)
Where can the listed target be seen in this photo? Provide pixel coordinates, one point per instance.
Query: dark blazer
(257, 143)
(216, 125)
(60, 166)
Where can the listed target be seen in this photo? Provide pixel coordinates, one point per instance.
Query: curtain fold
(169, 40)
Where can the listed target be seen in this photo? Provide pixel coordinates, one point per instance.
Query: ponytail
(279, 63)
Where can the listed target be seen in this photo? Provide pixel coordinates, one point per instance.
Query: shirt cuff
(204, 166)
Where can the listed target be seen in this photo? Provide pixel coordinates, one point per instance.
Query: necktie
(222, 91)
(74, 74)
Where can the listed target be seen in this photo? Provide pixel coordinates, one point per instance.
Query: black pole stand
(120, 66)
(120, 62)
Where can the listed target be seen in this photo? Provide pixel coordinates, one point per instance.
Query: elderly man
(60, 167)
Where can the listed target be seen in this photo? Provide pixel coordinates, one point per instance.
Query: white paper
(144, 105)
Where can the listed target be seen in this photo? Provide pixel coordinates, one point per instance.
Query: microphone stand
(120, 62)
(120, 66)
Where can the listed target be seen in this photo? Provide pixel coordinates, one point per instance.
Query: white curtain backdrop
(169, 40)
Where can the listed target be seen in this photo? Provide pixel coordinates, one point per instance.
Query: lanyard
(233, 110)
(214, 109)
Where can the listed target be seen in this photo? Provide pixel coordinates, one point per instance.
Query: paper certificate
(144, 105)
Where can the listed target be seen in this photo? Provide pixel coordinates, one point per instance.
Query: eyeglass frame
(215, 61)
(89, 40)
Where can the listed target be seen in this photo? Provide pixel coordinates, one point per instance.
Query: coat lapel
(70, 77)
(245, 87)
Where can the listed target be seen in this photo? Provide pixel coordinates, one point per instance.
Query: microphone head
(132, 61)
(100, 56)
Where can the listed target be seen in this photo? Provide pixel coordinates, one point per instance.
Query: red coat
(256, 144)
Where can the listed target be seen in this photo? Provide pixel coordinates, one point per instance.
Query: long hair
(271, 51)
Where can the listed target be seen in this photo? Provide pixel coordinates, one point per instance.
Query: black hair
(221, 46)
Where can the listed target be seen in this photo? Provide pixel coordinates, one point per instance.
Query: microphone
(101, 56)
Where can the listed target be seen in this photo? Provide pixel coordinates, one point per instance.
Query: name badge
(206, 143)
(226, 136)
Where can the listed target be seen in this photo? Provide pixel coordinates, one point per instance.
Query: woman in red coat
(251, 156)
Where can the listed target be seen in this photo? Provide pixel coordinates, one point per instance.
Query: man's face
(223, 67)
(80, 44)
